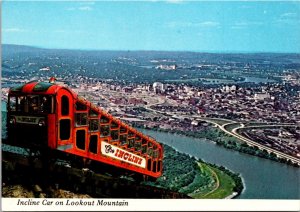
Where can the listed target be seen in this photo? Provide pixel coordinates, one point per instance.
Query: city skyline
(156, 25)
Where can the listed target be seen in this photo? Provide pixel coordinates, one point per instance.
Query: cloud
(60, 31)
(82, 6)
(209, 24)
(71, 8)
(245, 24)
(47, 31)
(175, 24)
(85, 8)
(13, 30)
(87, 2)
(174, 1)
(68, 31)
(289, 18)
(246, 7)
(288, 15)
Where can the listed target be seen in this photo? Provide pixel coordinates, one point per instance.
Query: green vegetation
(224, 184)
(231, 142)
(180, 171)
(207, 132)
(235, 177)
(183, 173)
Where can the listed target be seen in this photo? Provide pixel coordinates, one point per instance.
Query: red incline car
(45, 115)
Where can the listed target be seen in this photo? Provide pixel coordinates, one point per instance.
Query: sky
(174, 25)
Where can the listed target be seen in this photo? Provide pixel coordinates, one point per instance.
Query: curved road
(250, 142)
(222, 123)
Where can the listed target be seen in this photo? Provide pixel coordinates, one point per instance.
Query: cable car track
(26, 169)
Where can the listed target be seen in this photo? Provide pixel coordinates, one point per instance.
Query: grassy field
(222, 187)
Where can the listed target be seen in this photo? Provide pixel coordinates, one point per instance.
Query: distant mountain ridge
(142, 66)
(145, 57)
(14, 47)
(26, 48)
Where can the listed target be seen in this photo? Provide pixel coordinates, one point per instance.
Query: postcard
(150, 105)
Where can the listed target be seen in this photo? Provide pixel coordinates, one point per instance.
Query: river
(212, 81)
(263, 179)
(257, 80)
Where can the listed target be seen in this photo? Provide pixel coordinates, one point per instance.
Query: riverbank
(230, 142)
(224, 186)
(262, 178)
(196, 178)
(227, 141)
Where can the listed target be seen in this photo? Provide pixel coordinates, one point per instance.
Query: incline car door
(65, 103)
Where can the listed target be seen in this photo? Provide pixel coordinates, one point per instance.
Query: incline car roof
(39, 88)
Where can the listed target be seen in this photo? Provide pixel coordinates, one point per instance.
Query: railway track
(23, 169)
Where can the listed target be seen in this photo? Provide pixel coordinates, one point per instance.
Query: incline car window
(12, 103)
(114, 125)
(130, 134)
(64, 105)
(144, 149)
(154, 166)
(149, 164)
(123, 129)
(34, 104)
(104, 119)
(115, 135)
(81, 119)
(123, 139)
(138, 146)
(104, 131)
(64, 129)
(130, 142)
(80, 106)
(159, 166)
(93, 125)
(93, 144)
(93, 113)
(80, 139)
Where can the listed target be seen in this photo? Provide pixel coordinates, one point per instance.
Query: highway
(217, 122)
(250, 142)
(221, 124)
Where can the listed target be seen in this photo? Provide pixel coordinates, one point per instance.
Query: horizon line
(147, 50)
